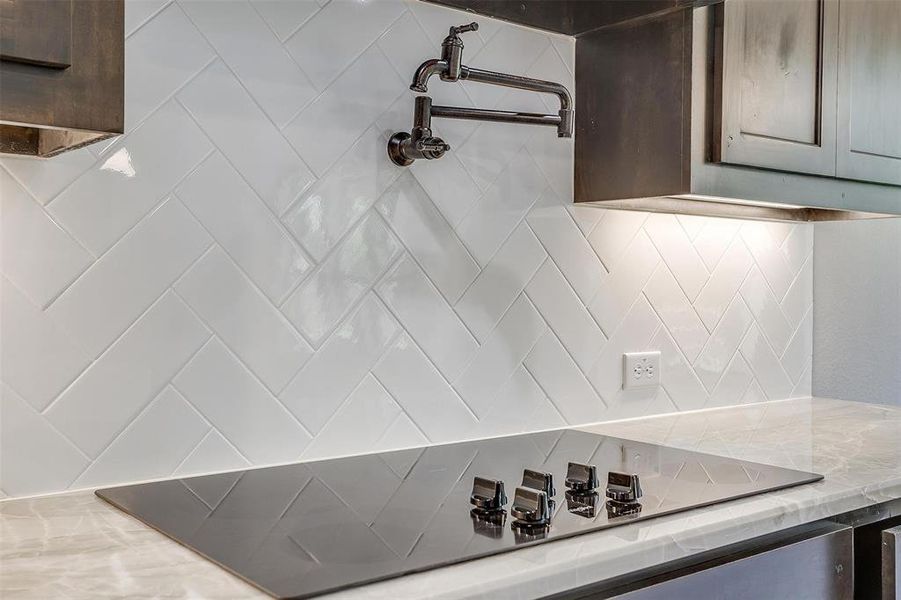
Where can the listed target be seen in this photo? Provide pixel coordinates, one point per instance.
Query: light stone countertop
(76, 546)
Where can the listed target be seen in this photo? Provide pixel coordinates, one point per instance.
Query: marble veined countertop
(76, 546)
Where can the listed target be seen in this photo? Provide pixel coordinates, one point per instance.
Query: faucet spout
(565, 125)
(426, 70)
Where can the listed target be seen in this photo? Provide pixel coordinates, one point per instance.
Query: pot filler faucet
(404, 148)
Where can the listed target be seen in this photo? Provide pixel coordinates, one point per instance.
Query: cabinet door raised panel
(776, 98)
(869, 91)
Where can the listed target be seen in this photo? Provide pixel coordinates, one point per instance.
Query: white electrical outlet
(641, 370)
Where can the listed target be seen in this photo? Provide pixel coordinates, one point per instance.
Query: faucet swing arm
(404, 148)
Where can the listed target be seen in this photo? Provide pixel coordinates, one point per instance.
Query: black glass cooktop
(301, 530)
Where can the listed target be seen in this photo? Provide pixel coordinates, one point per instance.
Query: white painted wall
(857, 315)
(244, 278)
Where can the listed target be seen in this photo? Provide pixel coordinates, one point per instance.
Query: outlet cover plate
(641, 370)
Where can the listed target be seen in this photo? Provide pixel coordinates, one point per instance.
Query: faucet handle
(432, 147)
(457, 30)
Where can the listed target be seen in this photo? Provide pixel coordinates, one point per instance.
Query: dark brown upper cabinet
(62, 66)
(868, 136)
(776, 109)
(776, 94)
(811, 86)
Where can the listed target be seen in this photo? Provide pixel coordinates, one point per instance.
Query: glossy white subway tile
(494, 217)
(114, 389)
(554, 157)
(799, 351)
(732, 386)
(37, 358)
(242, 317)
(44, 179)
(429, 238)
(140, 12)
(123, 283)
(286, 16)
(799, 297)
(154, 71)
(358, 424)
(346, 275)
(35, 253)
(34, 457)
(213, 453)
(560, 378)
(714, 238)
(140, 452)
(239, 221)
(403, 433)
(768, 371)
(132, 177)
(586, 217)
(724, 283)
(427, 318)
(676, 375)
(676, 311)
(321, 386)
(723, 343)
(677, 252)
(566, 315)
(520, 405)
(329, 42)
(237, 404)
(618, 291)
(613, 234)
(767, 312)
(451, 188)
(497, 358)
(501, 282)
(335, 119)
(331, 208)
(566, 51)
(768, 256)
(490, 150)
(569, 250)
(797, 247)
(245, 43)
(424, 394)
(246, 136)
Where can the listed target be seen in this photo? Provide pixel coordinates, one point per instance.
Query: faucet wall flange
(404, 148)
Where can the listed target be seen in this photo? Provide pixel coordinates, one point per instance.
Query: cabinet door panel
(776, 100)
(38, 33)
(869, 91)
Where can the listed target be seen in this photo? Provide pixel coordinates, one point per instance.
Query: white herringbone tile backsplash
(245, 279)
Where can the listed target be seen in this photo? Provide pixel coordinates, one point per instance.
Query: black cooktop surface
(301, 530)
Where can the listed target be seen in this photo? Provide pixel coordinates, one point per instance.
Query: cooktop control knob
(581, 479)
(623, 487)
(539, 480)
(530, 507)
(488, 494)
